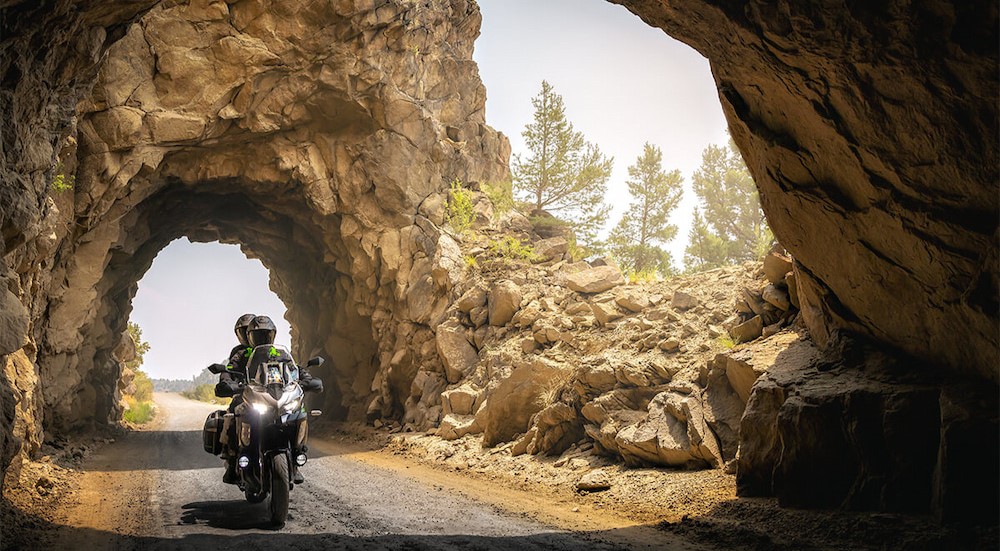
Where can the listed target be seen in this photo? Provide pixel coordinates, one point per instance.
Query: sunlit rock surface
(311, 133)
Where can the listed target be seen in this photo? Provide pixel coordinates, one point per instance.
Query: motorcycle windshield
(273, 365)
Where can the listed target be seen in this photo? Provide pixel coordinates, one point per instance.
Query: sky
(188, 302)
(624, 83)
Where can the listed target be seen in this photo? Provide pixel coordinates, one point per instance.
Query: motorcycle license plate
(274, 374)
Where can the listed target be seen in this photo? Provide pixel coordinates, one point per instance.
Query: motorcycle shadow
(227, 515)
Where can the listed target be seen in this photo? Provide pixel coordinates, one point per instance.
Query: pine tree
(564, 175)
(637, 241)
(729, 226)
(706, 250)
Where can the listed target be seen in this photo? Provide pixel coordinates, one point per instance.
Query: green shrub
(511, 248)
(139, 413)
(62, 182)
(143, 387)
(205, 393)
(726, 341)
(643, 276)
(460, 213)
(501, 194)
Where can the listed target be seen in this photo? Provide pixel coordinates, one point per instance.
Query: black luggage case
(212, 431)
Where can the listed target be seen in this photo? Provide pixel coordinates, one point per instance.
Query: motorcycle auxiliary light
(300, 459)
(243, 462)
(260, 408)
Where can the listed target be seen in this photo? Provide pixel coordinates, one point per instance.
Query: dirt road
(157, 489)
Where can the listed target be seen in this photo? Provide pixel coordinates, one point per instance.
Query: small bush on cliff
(501, 194)
(643, 276)
(511, 248)
(461, 212)
(62, 182)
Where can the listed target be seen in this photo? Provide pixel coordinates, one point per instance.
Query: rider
(229, 386)
(260, 333)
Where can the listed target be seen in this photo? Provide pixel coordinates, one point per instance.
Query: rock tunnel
(321, 137)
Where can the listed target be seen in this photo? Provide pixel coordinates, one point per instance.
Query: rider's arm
(308, 382)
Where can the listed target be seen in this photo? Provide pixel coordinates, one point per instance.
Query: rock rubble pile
(553, 353)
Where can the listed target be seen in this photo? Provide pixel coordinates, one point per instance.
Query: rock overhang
(875, 157)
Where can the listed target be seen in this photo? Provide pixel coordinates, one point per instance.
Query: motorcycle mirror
(315, 413)
(217, 368)
(315, 362)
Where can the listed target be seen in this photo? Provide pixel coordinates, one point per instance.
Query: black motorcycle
(271, 428)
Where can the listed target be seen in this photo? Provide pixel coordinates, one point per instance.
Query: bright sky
(623, 82)
(188, 302)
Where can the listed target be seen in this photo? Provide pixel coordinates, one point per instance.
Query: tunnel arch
(871, 130)
(323, 161)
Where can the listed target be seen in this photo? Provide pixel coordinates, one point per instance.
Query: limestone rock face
(877, 172)
(877, 429)
(310, 133)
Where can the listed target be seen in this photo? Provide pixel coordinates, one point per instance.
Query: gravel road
(158, 489)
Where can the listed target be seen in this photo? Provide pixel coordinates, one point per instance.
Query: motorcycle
(271, 428)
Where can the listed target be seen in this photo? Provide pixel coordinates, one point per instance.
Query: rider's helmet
(261, 331)
(241, 328)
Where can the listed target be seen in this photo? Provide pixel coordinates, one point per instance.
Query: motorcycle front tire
(278, 506)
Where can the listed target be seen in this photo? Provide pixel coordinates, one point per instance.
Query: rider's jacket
(247, 360)
(228, 385)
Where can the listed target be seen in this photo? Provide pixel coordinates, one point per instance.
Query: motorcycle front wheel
(279, 490)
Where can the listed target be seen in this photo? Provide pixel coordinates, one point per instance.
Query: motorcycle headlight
(259, 408)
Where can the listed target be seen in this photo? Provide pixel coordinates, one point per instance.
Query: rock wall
(319, 136)
(871, 131)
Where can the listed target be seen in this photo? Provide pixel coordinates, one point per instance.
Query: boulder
(455, 426)
(598, 378)
(793, 289)
(553, 430)
(683, 301)
(595, 280)
(748, 330)
(510, 407)
(604, 312)
(473, 298)
(552, 248)
(885, 433)
(776, 297)
(504, 301)
(674, 434)
(462, 400)
(594, 481)
(776, 266)
(633, 301)
(455, 351)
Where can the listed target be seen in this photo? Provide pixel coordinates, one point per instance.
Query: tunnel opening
(186, 304)
(317, 295)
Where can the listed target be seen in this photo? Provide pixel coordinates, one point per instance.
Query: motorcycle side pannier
(212, 431)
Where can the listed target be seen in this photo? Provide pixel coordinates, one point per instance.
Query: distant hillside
(180, 385)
